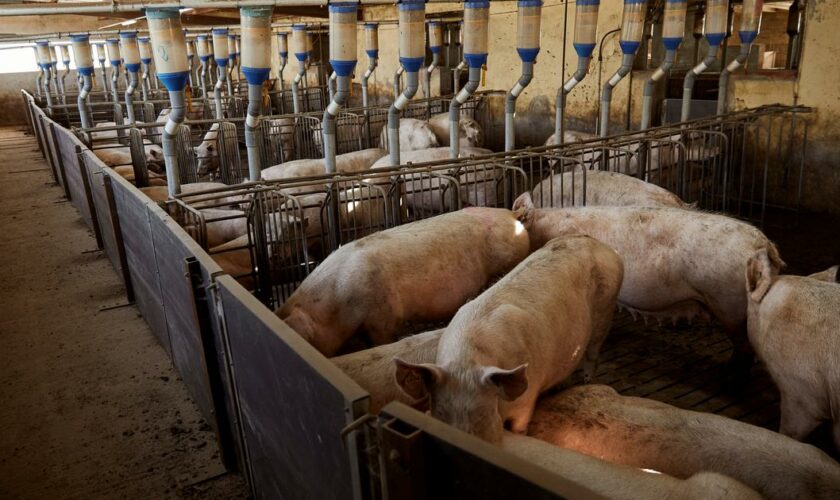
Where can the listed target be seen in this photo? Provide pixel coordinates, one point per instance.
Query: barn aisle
(91, 406)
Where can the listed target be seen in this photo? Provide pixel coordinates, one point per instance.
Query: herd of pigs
(527, 297)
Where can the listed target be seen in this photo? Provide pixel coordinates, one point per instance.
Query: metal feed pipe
(138, 5)
(717, 13)
(632, 28)
(476, 24)
(131, 53)
(169, 49)
(586, 26)
(45, 61)
(398, 81)
(748, 31)
(673, 32)
(65, 59)
(113, 49)
(372, 51)
(145, 48)
(528, 47)
(412, 53)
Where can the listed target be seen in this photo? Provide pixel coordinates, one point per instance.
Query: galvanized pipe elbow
(394, 112)
(296, 86)
(217, 91)
(650, 86)
(562, 92)
(84, 113)
(606, 95)
(723, 83)
(252, 121)
(129, 95)
(455, 110)
(170, 155)
(427, 87)
(510, 104)
(691, 77)
(374, 62)
(342, 94)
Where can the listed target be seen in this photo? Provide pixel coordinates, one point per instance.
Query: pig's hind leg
(798, 418)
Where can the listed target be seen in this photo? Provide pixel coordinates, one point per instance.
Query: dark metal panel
(425, 458)
(62, 175)
(52, 150)
(69, 147)
(140, 255)
(293, 404)
(106, 216)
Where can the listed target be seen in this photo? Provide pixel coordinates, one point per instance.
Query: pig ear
(417, 380)
(830, 275)
(510, 383)
(523, 207)
(759, 275)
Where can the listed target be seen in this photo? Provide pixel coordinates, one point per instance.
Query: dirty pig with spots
(420, 272)
(678, 263)
(525, 334)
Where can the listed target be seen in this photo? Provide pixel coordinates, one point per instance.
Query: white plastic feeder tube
(299, 48)
(231, 62)
(65, 60)
(747, 32)
(372, 51)
(435, 45)
(283, 50)
(190, 44)
(145, 48)
(220, 55)
(112, 45)
(528, 47)
(586, 27)
(343, 61)
(476, 24)
(717, 13)
(203, 52)
(256, 64)
(673, 32)
(131, 54)
(412, 32)
(54, 73)
(632, 29)
(45, 62)
(84, 65)
(100, 56)
(39, 77)
(170, 55)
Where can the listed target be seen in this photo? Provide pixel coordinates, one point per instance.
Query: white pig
(602, 189)
(421, 271)
(223, 225)
(794, 327)
(373, 369)
(414, 135)
(525, 334)
(348, 163)
(597, 421)
(115, 156)
(678, 263)
(619, 482)
(211, 200)
(470, 133)
(478, 186)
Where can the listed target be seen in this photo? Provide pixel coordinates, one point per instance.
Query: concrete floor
(91, 405)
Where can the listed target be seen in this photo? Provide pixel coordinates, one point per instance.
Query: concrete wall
(11, 102)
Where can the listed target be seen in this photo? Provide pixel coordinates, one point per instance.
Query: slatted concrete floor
(90, 406)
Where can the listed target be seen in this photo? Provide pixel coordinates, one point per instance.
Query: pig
(373, 369)
(678, 263)
(127, 173)
(522, 336)
(377, 283)
(414, 135)
(348, 136)
(470, 133)
(211, 200)
(619, 482)
(830, 275)
(602, 189)
(597, 421)
(223, 225)
(570, 137)
(348, 163)
(193, 112)
(207, 153)
(115, 156)
(431, 193)
(794, 327)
